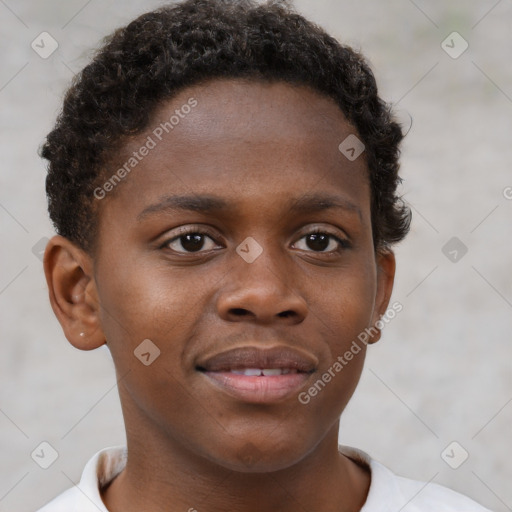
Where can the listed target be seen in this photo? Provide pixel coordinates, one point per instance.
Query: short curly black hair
(164, 51)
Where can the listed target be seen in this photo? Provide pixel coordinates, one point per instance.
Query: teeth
(274, 371)
(268, 372)
(252, 372)
(249, 372)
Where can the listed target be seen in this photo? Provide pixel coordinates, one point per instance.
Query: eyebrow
(308, 203)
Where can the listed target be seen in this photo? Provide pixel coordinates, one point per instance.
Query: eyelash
(343, 244)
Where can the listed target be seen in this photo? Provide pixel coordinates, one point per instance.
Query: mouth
(255, 375)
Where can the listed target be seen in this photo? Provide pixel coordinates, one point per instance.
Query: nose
(261, 292)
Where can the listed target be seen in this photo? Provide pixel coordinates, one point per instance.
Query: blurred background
(435, 399)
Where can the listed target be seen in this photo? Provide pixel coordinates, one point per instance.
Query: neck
(164, 475)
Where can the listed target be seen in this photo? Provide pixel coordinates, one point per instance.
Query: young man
(223, 181)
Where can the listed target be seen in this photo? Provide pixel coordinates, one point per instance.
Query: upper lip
(257, 357)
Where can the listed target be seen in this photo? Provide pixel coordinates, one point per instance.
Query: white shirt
(388, 492)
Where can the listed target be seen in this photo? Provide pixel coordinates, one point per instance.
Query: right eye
(190, 242)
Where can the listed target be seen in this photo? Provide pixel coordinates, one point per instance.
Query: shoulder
(389, 492)
(428, 496)
(85, 496)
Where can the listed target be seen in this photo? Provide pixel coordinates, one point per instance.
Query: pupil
(318, 242)
(192, 242)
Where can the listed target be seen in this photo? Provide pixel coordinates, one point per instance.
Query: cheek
(346, 313)
(344, 306)
(148, 314)
(141, 302)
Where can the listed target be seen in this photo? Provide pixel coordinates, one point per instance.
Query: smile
(255, 375)
(267, 372)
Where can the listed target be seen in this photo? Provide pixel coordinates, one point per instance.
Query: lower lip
(260, 389)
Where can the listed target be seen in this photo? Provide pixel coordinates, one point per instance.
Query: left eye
(191, 242)
(322, 242)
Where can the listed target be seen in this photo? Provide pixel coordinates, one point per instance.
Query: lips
(244, 358)
(256, 375)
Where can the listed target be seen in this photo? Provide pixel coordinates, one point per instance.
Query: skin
(260, 147)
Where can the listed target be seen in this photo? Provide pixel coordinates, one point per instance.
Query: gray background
(442, 371)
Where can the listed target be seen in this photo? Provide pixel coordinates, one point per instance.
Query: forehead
(258, 109)
(243, 140)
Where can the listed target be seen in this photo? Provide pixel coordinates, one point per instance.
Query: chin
(257, 457)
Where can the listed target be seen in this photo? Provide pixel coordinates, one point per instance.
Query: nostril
(239, 311)
(286, 314)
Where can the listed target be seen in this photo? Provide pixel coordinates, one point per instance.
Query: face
(239, 241)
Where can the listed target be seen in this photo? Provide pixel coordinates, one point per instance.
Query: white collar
(387, 493)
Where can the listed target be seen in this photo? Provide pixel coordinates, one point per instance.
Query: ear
(386, 265)
(73, 294)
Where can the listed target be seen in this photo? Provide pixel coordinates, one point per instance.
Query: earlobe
(386, 265)
(72, 291)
